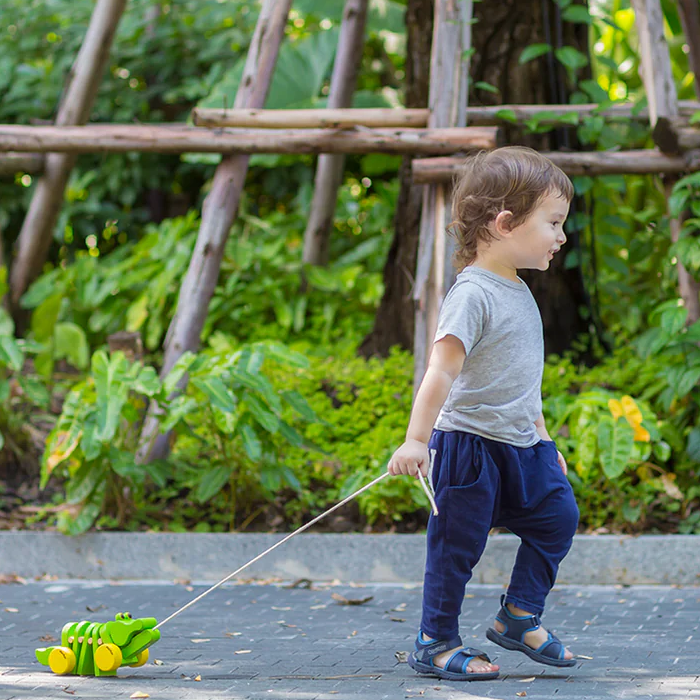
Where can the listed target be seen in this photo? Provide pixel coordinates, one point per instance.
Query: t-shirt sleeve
(463, 314)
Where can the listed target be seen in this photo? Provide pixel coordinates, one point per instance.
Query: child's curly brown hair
(513, 178)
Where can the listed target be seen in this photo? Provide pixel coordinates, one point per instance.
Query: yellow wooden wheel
(141, 659)
(108, 657)
(62, 660)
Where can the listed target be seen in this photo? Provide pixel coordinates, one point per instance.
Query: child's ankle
(515, 611)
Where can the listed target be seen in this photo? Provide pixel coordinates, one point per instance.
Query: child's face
(537, 240)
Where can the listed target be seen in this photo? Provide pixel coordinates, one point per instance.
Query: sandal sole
(511, 645)
(426, 669)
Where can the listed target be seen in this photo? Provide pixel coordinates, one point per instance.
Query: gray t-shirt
(498, 393)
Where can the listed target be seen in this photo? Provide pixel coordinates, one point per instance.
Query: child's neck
(498, 268)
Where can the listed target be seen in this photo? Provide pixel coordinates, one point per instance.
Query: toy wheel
(141, 659)
(62, 660)
(108, 657)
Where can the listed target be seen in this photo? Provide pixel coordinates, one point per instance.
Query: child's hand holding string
(409, 458)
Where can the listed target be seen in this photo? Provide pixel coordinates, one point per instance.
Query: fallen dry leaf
(342, 600)
(157, 662)
(95, 608)
(11, 610)
(233, 634)
(521, 694)
(398, 619)
(11, 578)
(401, 656)
(581, 656)
(243, 651)
(48, 638)
(318, 607)
(527, 680)
(301, 583)
(199, 641)
(274, 607)
(68, 690)
(139, 694)
(354, 633)
(399, 608)
(198, 677)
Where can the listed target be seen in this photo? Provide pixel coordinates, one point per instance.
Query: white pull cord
(296, 532)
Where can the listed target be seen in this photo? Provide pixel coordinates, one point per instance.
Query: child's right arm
(446, 361)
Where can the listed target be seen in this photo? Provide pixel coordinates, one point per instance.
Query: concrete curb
(600, 560)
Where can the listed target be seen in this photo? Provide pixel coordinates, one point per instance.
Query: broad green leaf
(11, 353)
(212, 482)
(262, 413)
(217, 392)
(615, 442)
(578, 14)
(285, 355)
(147, 382)
(70, 342)
(251, 443)
(45, 316)
(533, 51)
(482, 85)
(111, 391)
(570, 57)
(178, 371)
(299, 404)
(137, 314)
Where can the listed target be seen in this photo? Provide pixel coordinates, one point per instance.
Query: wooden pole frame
(176, 138)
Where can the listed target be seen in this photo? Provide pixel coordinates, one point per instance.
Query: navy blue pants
(480, 484)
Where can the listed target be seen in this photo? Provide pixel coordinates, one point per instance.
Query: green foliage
(224, 425)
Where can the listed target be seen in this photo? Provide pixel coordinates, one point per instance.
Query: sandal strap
(426, 651)
(516, 627)
(553, 648)
(458, 662)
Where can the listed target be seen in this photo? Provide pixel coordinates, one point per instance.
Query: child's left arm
(542, 432)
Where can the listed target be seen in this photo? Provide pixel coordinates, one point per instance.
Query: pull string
(292, 534)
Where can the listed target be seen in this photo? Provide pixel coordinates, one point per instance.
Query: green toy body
(100, 648)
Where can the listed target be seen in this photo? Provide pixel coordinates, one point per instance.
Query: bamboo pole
(218, 214)
(149, 138)
(37, 230)
(592, 163)
(13, 163)
(493, 115)
(330, 166)
(449, 74)
(328, 118)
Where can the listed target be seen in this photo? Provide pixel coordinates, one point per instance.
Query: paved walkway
(255, 641)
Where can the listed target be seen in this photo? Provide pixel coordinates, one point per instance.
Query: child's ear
(502, 223)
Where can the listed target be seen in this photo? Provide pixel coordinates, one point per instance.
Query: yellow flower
(641, 434)
(628, 408)
(632, 412)
(615, 408)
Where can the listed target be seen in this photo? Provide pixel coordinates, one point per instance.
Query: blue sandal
(421, 660)
(550, 653)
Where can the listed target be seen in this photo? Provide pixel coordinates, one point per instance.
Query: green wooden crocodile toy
(100, 648)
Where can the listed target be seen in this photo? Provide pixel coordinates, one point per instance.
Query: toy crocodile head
(99, 649)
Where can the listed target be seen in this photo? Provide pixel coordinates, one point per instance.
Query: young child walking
(477, 430)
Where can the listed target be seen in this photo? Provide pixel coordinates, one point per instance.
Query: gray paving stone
(643, 642)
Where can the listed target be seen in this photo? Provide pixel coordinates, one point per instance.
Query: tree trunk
(395, 320)
(37, 230)
(330, 167)
(501, 32)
